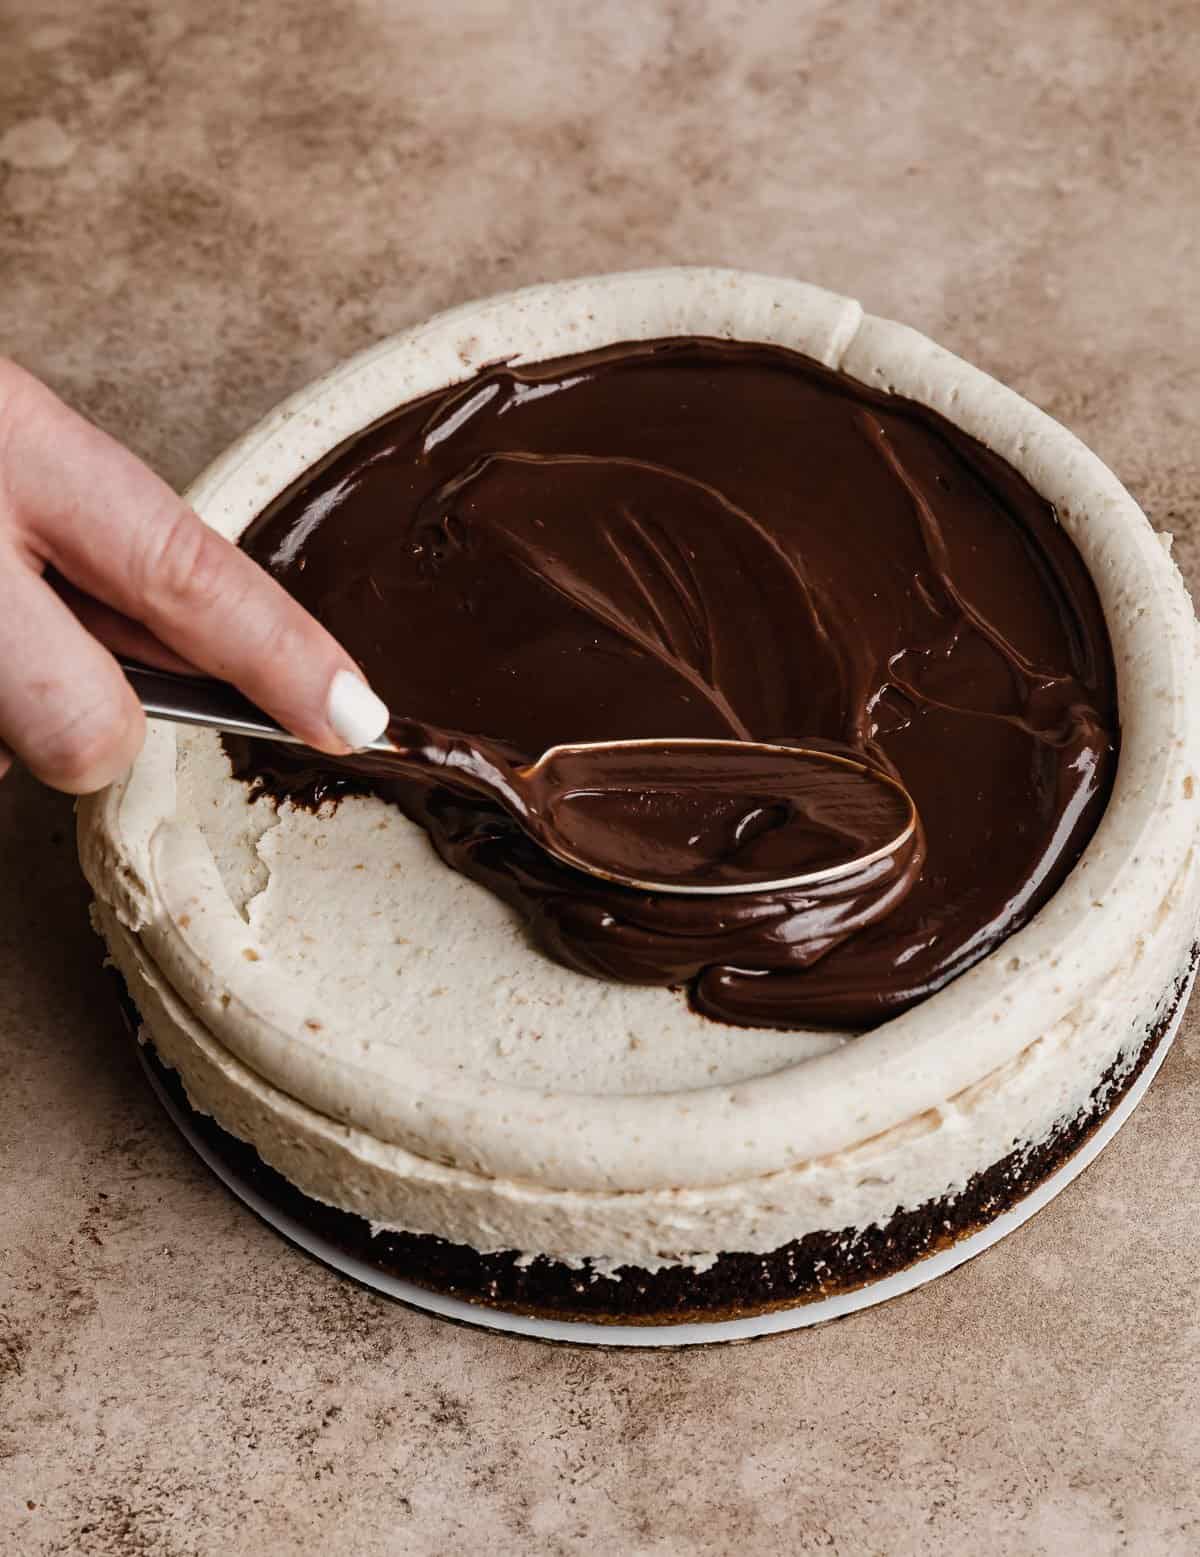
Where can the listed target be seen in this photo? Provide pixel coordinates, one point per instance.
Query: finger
(6, 760)
(123, 636)
(117, 532)
(66, 711)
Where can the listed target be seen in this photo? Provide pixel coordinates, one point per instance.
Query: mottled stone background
(202, 206)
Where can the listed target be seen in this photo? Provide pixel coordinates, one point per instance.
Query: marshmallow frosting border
(1092, 965)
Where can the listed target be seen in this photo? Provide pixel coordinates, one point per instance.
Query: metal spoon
(688, 815)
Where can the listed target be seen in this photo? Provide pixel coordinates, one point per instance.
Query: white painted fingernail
(355, 714)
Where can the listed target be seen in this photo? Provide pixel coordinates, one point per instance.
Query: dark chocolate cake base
(736, 1285)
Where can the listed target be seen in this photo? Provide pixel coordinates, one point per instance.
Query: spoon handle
(213, 705)
(466, 762)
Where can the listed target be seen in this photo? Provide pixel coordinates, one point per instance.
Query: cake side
(929, 1158)
(727, 1286)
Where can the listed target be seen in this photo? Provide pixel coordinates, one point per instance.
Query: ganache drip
(701, 538)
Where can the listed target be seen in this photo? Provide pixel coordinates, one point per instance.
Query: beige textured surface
(201, 207)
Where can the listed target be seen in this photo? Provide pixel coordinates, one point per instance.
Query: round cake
(681, 503)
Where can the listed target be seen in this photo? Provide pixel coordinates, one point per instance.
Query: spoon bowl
(714, 817)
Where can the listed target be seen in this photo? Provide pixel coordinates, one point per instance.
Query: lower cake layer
(733, 1285)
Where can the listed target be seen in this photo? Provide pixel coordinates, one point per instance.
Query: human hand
(98, 554)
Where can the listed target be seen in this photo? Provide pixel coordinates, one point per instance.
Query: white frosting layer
(381, 1031)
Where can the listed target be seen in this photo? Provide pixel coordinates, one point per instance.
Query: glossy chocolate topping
(706, 539)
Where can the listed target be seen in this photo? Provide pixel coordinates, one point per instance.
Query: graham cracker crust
(736, 1285)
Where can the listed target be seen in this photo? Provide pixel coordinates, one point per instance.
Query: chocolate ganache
(693, 538)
